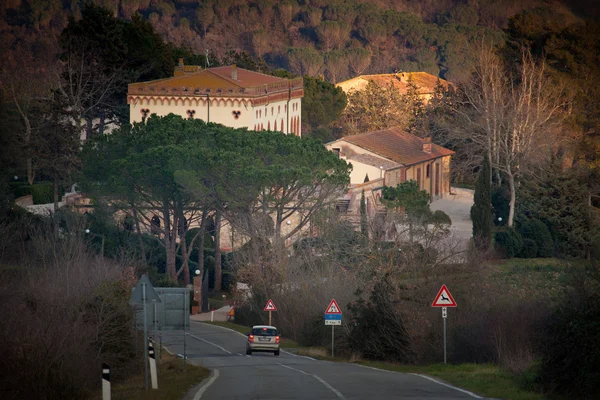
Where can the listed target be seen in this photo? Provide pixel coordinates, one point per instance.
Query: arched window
(269, 125)
(428, 171)
(275, 125)
(278, 109)
(272, 110)
(282, 126)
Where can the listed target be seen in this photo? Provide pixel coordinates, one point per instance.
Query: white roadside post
(333, 317)
(270, 306)
(142, 294)
(152, 358)
(105, 382)
(444, 299)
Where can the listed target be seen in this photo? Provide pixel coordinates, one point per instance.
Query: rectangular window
(419, 177)
(428, 171)
(264, 332)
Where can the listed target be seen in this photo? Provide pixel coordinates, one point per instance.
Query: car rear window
(264, 332)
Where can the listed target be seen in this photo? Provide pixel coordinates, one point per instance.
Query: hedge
(42, 193)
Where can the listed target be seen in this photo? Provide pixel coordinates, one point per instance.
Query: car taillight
(251, 338)
(277, 339)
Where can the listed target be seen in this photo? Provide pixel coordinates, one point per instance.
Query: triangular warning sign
(270, 306)
(333, 308)
(444, 298)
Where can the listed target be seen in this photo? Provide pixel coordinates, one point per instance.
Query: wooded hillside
(336, 39)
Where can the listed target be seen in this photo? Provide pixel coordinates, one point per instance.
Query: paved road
(265, 376)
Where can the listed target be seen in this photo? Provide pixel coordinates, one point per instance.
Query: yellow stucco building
(227, 95)
(424, 82)
(395, 156)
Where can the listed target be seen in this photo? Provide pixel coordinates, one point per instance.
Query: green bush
(537, 231)
(43, 193)
(530, 249)
(509, 242)
(377, 318)
(22, 191)
(500, 202)
(571, 352)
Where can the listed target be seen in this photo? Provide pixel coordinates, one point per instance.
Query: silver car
(263, 338)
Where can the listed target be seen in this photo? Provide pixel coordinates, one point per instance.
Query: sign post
(444, 299)
(142, 294)
(333, 317)
(270, 307)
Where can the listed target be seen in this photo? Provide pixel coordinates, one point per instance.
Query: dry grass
(173, 382)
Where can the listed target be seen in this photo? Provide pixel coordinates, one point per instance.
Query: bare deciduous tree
(511, 117)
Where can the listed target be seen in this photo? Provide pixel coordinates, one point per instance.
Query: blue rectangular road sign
(333, 317)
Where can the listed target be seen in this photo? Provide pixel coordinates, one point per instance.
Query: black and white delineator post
(142, 294)
(152, 357)
(444, 299)
(105, 382)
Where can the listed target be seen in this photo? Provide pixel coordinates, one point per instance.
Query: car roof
(263, 326)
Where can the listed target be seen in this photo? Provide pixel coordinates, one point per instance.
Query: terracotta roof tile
(218, 78)
(397, 145)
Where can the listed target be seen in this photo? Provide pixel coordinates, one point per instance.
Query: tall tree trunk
(186, 265)
(218, 271)
(102, 124)
(139, 234)
(513, 197)
(201, 243)
(88, 128)
(170, 245)
(55, 193)
(30, 171)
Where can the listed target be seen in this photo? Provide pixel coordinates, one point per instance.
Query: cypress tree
(482, 212)
(363, 215)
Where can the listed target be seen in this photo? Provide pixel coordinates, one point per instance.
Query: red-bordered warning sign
(270, 306)
(444, 298)
(333, 308)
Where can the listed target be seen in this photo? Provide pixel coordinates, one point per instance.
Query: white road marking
(296, 355)
(239, 354)
(447, 385)
(222, 327)
(239, 333)
(327, 385)
(373, 368)
(211, 343)
(213, 378)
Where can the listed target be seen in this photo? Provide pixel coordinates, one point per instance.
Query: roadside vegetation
(174, 381)
(520, 117)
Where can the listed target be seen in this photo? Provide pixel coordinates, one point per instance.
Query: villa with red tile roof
(424, 82)
(394, 156)
(227, 95)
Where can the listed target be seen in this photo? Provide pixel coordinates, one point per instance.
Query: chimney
(234, 72)
(427, 145)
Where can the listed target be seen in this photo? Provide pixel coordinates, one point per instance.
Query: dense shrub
(571, 351)
(500, 202)
(378, 318)
(42, 193)
(536, 230)
(530, 249)
(509, 241)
